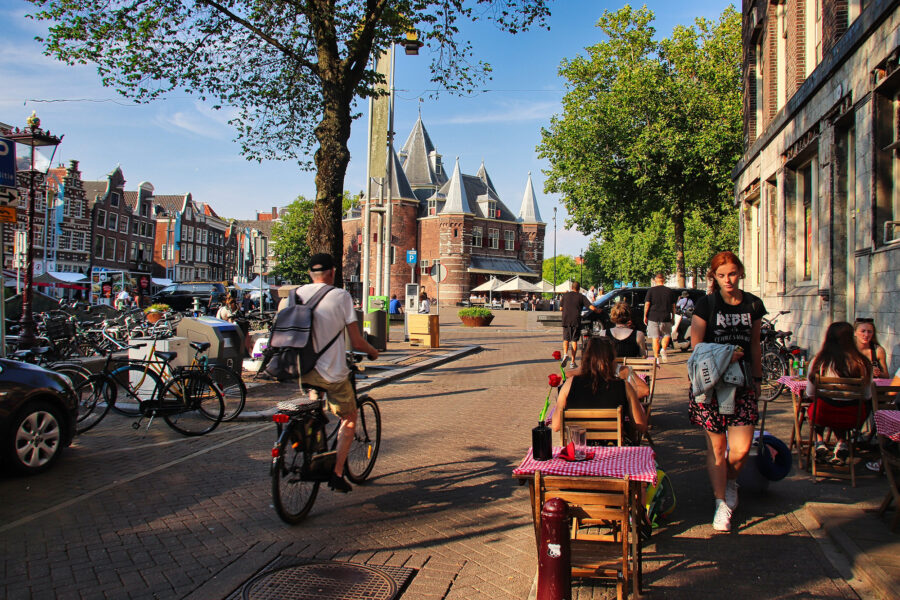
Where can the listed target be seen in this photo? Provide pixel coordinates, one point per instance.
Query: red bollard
(554, 553)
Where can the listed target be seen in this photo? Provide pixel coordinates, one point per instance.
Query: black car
(37, 415)
(180, 296)
(634, 296)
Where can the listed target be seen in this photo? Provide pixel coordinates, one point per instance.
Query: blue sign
(7, 163)
(411, 257)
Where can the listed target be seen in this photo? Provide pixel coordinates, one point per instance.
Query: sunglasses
(861, 320)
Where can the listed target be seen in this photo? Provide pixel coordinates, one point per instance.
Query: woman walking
(731, 316)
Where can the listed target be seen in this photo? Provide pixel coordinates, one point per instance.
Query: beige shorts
(339, 395)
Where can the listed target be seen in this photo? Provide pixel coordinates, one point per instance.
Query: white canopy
(160, 281)
(565, 286)
(546, 286)
(66, 277)
(517, 284)
(253, 285)
(488, 286)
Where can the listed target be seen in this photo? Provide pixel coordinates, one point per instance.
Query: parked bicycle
(777, 355)
(304, 452)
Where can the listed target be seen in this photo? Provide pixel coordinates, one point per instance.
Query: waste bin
(424, 330)
(375, 327)
(226, 339)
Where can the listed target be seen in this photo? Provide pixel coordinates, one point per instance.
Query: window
(114, 199)
(101, 218)
(494, 238)
(110, 251)
(162, 252)
(134, 228)
(134, 249)
(124, 225)
(806, 196)
(757, 91)
(123, 250)
(190, 234)
(509, 240)
(425, 267)
(432, 207)
(113, 221)
(477, 234)
(887, 168)
(65, 240)
(781, 43)
(145, 209)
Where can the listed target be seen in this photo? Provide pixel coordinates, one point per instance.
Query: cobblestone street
(133, 515)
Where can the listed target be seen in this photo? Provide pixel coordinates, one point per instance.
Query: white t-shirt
(424, 307)
(333, 313)
(123, 295)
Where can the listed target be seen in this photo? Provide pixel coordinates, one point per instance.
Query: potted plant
(154, 312)
(476, 316)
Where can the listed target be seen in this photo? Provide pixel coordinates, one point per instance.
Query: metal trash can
(375, 327)
(226, 339)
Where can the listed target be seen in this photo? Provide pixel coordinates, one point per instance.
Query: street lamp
(554, 249)
(32, 136)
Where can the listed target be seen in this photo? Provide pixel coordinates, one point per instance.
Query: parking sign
(411, 257)
(7, 163)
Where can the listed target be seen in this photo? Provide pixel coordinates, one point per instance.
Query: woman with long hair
(228, 310)
(629, 342)
(838, 357)
(596, 385)
(867, 343)
(732, 316)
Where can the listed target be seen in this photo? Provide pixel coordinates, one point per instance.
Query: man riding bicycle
(331, 373)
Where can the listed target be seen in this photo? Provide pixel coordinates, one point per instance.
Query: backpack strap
(317, 297)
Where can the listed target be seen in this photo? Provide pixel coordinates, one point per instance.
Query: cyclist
(331, 373)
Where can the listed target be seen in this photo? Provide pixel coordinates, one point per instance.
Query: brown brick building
(817, 186)
(458, 221)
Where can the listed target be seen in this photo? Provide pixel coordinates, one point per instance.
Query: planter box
(476, 321)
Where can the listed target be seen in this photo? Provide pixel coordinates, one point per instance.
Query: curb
(265, 415)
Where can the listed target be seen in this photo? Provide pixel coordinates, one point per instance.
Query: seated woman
(595, 385)
(867, 343)
(839, 357)
(629, 342)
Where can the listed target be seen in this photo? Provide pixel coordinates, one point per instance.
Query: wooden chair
(885, 398)
(848, 390)
(603, 543)
(647, 368)
(800, 405)
(602, 425)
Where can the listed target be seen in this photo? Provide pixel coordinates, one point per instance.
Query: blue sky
(181, 145)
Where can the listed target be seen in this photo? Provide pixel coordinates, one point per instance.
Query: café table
(887, 425)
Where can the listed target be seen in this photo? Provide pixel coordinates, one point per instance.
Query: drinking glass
(577, 437)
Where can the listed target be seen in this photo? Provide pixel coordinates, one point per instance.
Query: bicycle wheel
(293, 497)
(191, 404)
(77, 373)
(773, 367)
(234, 392)
(366, 442)
(95, 396)
(136, 384)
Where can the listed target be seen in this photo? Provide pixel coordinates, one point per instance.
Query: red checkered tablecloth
(797, 385)
(638, 462)
(887, 423)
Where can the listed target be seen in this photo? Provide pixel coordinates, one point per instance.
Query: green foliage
(649, 131)
(288, 239)
(474, 311)
(158, 307)
(566, 269)
(350, 201)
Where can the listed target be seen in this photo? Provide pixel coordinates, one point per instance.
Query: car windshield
(606, 297)
(169, 289)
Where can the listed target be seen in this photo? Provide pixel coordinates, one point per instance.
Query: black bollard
(554, 553)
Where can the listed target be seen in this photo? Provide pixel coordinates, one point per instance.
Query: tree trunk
(332, 157)
(678, 222)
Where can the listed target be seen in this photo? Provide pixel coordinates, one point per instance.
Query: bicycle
(776, 357)
(304, 452)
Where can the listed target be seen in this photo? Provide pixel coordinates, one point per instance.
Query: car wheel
(36, 438)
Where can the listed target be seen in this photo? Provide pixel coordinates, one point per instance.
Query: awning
(546, 286)
(517, 284)
(62, 280)
(160, 281)
(499, 266)
(488, 286)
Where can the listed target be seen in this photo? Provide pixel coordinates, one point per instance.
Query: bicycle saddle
(166, 356)
(784, 334)
(297, 406)
(200, 346)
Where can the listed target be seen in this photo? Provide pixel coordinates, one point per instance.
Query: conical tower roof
(456, 198)
(416, 152)
(400, 188)
(483, 175)
(529, 212)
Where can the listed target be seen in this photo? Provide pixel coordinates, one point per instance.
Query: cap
(321, 262)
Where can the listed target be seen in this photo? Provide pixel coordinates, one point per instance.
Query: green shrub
(475, 311)
(158, 307)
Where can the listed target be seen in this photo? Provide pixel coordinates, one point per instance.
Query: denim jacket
(710, 368)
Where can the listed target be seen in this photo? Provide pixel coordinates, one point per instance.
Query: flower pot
(153, 316)
(476, 321)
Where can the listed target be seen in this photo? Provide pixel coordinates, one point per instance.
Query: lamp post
(581, 270)
(32, 136)
(554, 249)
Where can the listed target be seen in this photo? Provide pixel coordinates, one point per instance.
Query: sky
(182, 145)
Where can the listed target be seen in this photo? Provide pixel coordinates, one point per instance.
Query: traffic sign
(9, 196)
(411, 257)
(7, 214)
(439, 272)
(7, 163)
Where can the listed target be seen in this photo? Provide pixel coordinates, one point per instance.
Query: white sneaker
(664, 355)
(722, 520)
(731, 494)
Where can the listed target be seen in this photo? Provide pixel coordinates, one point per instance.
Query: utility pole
(554, 249)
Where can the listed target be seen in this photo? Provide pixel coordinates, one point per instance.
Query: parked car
(38, 411)
(180, 296)
(634, 296)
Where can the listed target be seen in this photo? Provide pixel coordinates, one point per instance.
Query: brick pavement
(133, 515)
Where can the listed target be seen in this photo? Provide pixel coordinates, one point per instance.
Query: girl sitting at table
(867, 343)
(839, 357)
(595, 385)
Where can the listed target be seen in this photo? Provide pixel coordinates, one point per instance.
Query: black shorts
(571, 333)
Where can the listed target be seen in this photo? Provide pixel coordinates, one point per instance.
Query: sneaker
(874, 465)
(338, 483)
(822, 452)
(664, 355)
(731, 494)
(722, 519)
(841, 453)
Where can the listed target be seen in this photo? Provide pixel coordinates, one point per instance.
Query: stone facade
(816, 187)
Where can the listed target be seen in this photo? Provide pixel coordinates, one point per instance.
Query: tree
(289, 241)
(292, 69)
(566, 269)
(649, 128)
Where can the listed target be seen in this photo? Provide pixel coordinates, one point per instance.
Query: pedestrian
(571, 304)
(246, 302)
(123, 299)
(728, 316)
(659, 311)
(395, 307)
(867, 342)
(591, 294)
(228, 310)
(683, 307)
(424, 304)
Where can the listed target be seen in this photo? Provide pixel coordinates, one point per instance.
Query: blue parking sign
(7, 163)
(411, 257)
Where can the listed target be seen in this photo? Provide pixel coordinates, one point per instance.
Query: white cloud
(200, 120)
(514, 112)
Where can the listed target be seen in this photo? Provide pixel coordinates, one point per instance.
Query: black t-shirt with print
(730, 324)
(661, 300)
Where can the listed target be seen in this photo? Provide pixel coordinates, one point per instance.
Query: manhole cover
(322, 581)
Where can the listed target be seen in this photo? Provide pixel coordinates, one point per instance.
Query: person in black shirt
(728, 316)
(571, 305)
(659, 310)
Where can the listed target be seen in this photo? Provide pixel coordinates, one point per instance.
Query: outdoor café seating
(645, 368)
(602, 426)
(887, 423)
(849, 391)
